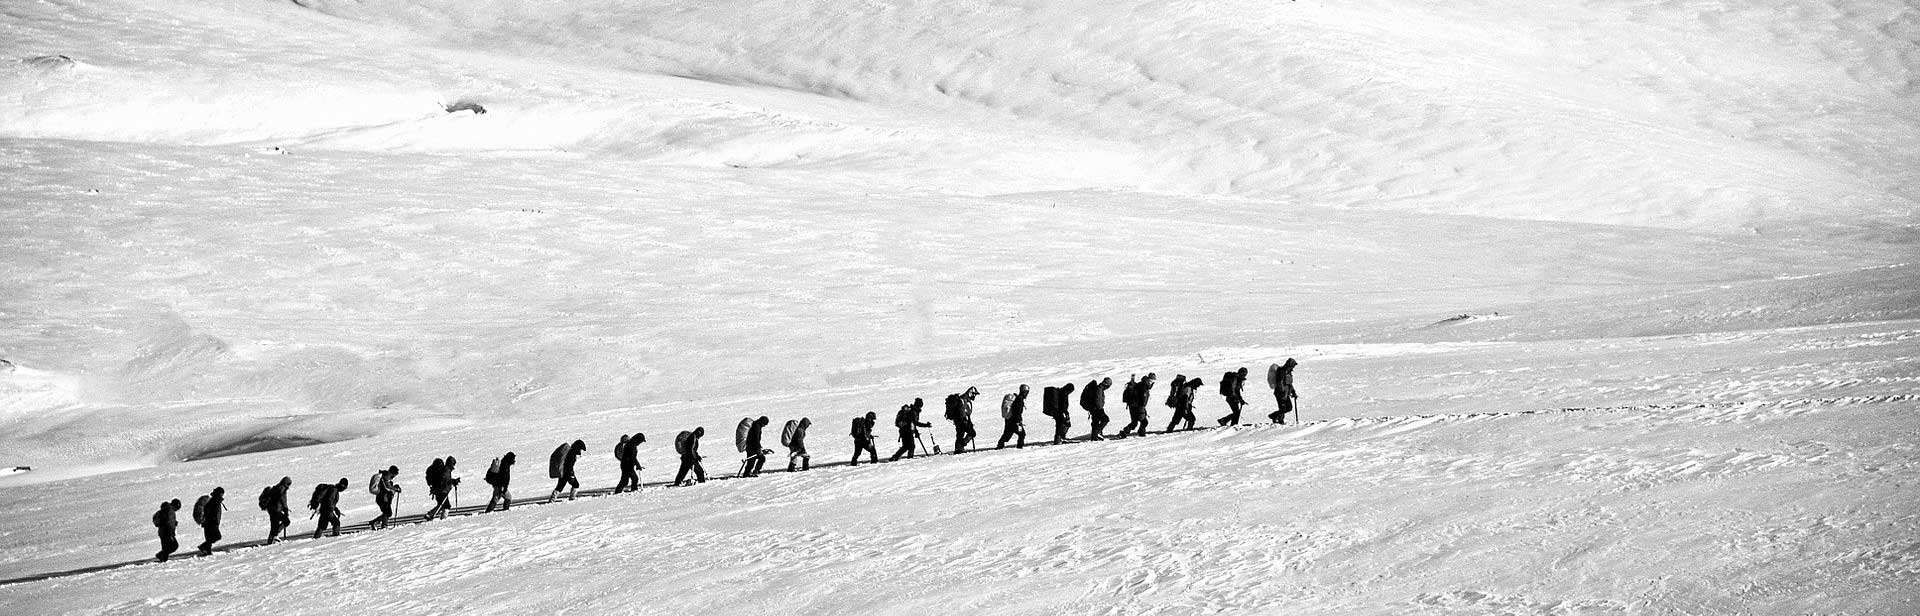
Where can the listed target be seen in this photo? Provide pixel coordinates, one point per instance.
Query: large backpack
(855, 431)
(557, 460)
(1006, 408)
(266, 498)
(200, 510)
(1226, 382)
(158, 515)
(681, 441)
(1273, 376)
(953, 408)
(493, 473)
(787, 432)
(1173, 393)
(374, 482)
(434, 472)
(1086, 395)
(740, 434)
(313, 502)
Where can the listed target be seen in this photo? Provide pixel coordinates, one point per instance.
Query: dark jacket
(753, 435)
(573, 454)
(1093, 399)
(165, 519)
(210, 516)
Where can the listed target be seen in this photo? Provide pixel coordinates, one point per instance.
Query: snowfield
(1601, 307)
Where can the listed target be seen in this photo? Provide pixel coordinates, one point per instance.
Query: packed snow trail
(1688, 507)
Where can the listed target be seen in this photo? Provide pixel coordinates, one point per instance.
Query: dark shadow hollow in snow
(251, 444)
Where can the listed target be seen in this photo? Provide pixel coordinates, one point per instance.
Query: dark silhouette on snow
(384, 490)
(1181, 399)
(1013, 410)
(1093, 399)
(960, 412)
(794, 437)
(440, 485)
(206, 513)
(1057, 404)
(273, 500)
(500, 476)
(909, 424)
(326, 504)
(687, 444)
(1135, 396)
(1280, 378)
(627, 451)
(862, 433)
(1233, 388)
(755, 450)
(560, 467)
(165, 521)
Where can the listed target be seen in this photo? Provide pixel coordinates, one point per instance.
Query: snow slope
(235, 225)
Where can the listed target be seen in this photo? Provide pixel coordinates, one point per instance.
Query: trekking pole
(456, 496)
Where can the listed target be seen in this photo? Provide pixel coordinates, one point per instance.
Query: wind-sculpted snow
(1772, 115)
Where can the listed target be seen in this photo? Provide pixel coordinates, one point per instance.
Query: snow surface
(233, 223)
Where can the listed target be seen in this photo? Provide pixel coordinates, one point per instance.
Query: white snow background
(1603, 306)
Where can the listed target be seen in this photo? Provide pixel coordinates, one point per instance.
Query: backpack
(1273, 376)
(374, 483)
(1173, 393)
(855, 430)
(1086, 395)
(200, 510)
(313, 502)
(159, 515)
(434, 471)
(740, 434)
(1006, 408)
(266, 498)
(493, 473)
(1226, 383)
(953, 408)
(788, 431)
(557, 460)
(681, 441)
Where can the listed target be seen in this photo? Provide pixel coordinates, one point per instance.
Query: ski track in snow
(1426, 511)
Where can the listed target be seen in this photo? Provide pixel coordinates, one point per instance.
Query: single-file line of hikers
(1056, 402)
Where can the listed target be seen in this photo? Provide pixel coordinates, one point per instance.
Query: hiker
(1232, 387)
(273, 500)
(326, 504)
(1181, 399)
(437, 488)
(384, 491)
(960, 412)
(1013, 408)
(560, 466)
(1060, 410)
(499, 474)
(687, 444)
(165, 520)
(206, 513)
(908, 422)
(628, 453)
(1280, 377)
(794, 437)
(1135, 396)
(1093, 399)
(863, 438)
(756, 452)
